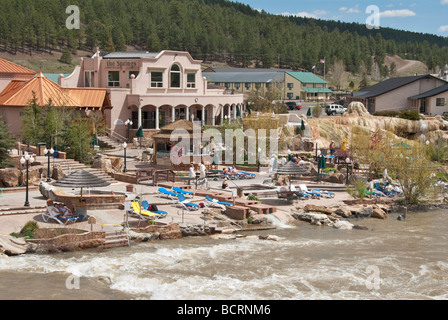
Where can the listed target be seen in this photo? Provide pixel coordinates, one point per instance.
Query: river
(392, 260)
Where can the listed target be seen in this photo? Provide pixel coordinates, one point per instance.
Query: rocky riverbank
(345, 217)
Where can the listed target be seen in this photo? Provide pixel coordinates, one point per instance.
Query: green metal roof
(306, 77)
(317, 90)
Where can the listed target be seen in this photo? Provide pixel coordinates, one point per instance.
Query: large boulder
(314, 208)
(9, 178)
(378, 213)
(343, 212)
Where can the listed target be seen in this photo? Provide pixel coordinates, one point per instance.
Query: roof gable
(307, 77)
(12, 68)
(431, 93)
(389, 85)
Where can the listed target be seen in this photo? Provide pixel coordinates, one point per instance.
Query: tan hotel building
(153, 90)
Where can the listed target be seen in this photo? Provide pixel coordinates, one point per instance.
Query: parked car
(334, 109)
(293, 106)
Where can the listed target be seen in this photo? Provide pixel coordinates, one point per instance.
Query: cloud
(315, 14)
(443, 28)
(350, 10)
(398, 13)
(443, 1)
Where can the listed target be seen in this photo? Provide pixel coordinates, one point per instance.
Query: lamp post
(259, 155)
(128, 123)
(125, 145)
(48, 153)
(347, 161)
(27, 159)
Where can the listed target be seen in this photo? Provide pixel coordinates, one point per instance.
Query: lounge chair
(146, 206)
(325, 194)
(181, 191)
(300, 194)
(186, 204)
(379, 188)
(247, 175)
(167, 194)
(142, 213)
(312, 193)
(213, 202)
(51, 215)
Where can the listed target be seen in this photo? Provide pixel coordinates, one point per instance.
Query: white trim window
(113, 79)
(175, 77)
(191, 80)
(156, 79)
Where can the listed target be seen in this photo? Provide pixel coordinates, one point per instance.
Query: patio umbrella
(309, 112)
(238, 112)
(303, 125)
(82, 179)
(140, 133)
(292, 169)
(322, 163)
(95, 140)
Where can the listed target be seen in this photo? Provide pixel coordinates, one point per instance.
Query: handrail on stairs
(115, 135)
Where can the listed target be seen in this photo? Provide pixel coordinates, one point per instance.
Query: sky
(430, 16)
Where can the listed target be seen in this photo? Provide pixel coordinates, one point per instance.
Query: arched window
(175, 76)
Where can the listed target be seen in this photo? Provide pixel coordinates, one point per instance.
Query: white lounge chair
(51, 215)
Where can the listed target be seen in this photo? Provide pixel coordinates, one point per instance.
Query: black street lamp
(129, 124)
(125, 145)
(347, 161)
(48, 153)
(27, 159)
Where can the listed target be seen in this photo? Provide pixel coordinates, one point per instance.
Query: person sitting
(225, 185)
(233, 170)
(63, 210)
(225, 171)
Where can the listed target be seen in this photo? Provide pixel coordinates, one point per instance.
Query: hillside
(218, 31)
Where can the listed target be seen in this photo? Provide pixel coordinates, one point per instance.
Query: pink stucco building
(154, 89)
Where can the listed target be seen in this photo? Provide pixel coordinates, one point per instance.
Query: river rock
(314, 208)
(361, 211)
(342, 225)
(314, 218)
(378, 213)
(343, 212)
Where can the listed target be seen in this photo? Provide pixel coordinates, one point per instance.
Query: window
(89, 77)
(175, 76)
(247, 85)
(191, 80)
(114, 79)
(440, 102)
(156, 79)
(237, 85)
(290, 85)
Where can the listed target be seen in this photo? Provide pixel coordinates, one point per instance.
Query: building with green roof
(306, 86)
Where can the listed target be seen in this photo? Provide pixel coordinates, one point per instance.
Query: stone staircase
(22, 210)
(115, 239)
(108, 143)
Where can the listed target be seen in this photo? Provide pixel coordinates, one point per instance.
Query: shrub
(410, 115)
(357, 188)
(387, 113)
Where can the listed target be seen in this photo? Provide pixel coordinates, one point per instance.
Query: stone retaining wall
(71, 242)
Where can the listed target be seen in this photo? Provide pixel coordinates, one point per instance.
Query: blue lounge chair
(167, 194)
(181, 191)
(247, 175)
(382, 190)
(220, 204)
(146, 206)
(312, 193)
(326, 194)
(187, 205)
